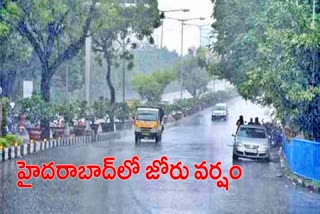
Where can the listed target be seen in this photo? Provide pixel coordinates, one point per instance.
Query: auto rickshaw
(148, 123)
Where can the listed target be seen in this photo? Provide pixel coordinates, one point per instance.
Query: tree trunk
(1, 130)
(111, 88)
(194, 92)
(108, 78)
(45, 93)
(7, 82)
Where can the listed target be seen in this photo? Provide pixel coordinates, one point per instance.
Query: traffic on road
(261, 189)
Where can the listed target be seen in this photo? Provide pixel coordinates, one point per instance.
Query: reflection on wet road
(260, 189)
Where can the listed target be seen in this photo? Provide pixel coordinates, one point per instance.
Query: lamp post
(313, 14)
(0, 112)
(88, 49)
(201, 27)
(183, 21)
(162, 16)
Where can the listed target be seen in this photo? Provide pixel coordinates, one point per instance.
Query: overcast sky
(172, 28)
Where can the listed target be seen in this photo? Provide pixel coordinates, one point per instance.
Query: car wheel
(235, 157)
(267, 159)
(225, 118)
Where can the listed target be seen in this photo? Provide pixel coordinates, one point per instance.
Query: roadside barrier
(303, 157)
(36, 146)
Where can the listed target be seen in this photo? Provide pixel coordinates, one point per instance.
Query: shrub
(4, 143)
(13, 139)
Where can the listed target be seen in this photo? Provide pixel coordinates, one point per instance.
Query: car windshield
(251, 132)
(147, 115)
(219, 108)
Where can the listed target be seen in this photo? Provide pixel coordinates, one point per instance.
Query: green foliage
(81, 109)
(100, 107)
(13, 140)
(151, 87)
(195, 78)
(272, 55)
(67, 111)
(36, 109)
(113, 42)
(4, 143)
(194, 103)
(121, 111)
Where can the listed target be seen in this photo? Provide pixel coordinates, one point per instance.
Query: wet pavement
(261, 189)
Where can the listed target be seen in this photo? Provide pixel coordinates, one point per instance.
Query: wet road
(260, 189)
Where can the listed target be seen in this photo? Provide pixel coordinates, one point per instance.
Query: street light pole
(88, 67)
(1, 112)
(200, 29)
(88, 50)
(162, 16)
(161, 35)
(123, 74)
(181, 64)
(313, 14)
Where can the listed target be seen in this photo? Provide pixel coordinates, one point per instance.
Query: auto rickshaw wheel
(137, 139)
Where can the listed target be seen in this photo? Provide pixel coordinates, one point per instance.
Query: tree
(51, 29)
(14, 52)
(151, 87)
(112, 42)
(195, 76)
(272, 55)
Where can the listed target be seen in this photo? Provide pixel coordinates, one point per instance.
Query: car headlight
(239, 144)
(264, 147)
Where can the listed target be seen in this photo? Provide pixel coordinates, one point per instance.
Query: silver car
(220, 111)
(251, 141)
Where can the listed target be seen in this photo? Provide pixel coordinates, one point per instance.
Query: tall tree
(150, 87)
(195, 75)
(55, 29)
(14, 53)
(272, 55)
(137, 21)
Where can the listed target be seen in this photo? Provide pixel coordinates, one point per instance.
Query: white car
(220, 111)
(251, 141)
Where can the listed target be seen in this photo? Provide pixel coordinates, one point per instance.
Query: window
(220, 108)
(147, 115)
(251, 132)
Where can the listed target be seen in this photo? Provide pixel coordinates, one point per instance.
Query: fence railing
(303, 157)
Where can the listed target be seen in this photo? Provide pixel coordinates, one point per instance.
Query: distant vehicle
(220, 111)
(148, 124)
(251, 141)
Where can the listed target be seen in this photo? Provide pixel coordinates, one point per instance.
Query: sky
(172, 28)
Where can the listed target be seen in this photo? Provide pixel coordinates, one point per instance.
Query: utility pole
(161, 44)
(313, 14)
(123, 73)
(201, 28)
(181, 64)
(181, 67)
(162, 16)
(0, 111)
(67, 83)
(88, 67)
(88, 50)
